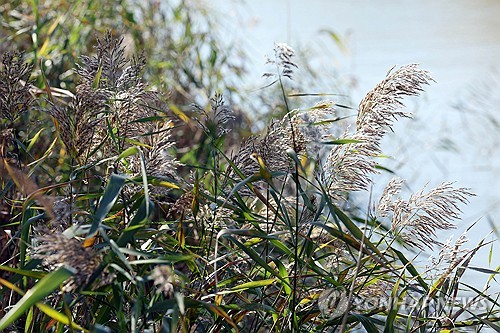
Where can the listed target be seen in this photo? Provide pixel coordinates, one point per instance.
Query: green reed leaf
(43, 288)
(109, 198)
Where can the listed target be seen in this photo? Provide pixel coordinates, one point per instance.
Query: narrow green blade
(44, 287)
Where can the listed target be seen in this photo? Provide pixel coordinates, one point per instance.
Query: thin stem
(358, 268)
(295, 175)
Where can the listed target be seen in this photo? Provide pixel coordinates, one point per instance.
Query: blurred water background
(456, 131)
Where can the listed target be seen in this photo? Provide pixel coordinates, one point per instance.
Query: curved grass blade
(393, 308)
(109, 198)
(44, 287)
(484, 270)
(97, 79)
(284, 275)
(367, 323)
(336, 38)
(255, 256)
(353, 228)
(58, 316)
(341, 142)
(253, 284)
(140, 217)
(220, 312)
(128, 152)
(48, 310)
(411, 269)
(23, 272)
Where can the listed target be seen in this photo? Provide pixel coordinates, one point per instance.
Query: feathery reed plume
(386, 203)
(274, 220)
(159, 162)
(348, 166)
(244, 160)
(314, 125)
(214, 122)
(130, 100)
(274, 145)
(272, 148)
(416, 220)
(283, 55)
(215, 217)
(109, 60)
(80, 123)
(56, 250)
(450, 255)
(371, 293)
(110, 95)
(15, 96)
(380, 107)
(164, 279)
(281, 135)
(182, 206)
(63, 209)
(6, 142)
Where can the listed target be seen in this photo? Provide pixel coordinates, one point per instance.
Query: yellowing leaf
(254, 284)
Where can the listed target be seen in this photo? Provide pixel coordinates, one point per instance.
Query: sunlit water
(458, 41)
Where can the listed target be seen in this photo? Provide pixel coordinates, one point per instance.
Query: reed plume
(215, 121)
(15, 97)
(159, 161)
(416, 220)
(56, 250)
(80, 123)
(349, 166)
(283, 60)
(110, 102)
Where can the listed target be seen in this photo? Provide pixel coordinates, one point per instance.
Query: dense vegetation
(130, 203)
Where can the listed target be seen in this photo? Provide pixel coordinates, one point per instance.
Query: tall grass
(136, 236)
